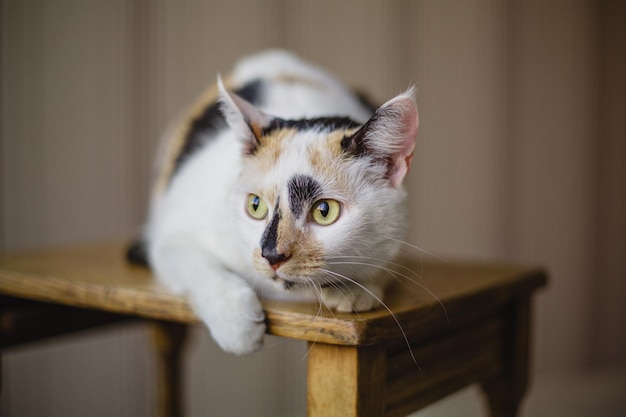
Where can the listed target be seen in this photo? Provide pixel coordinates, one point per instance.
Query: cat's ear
(243, 117)
(389, 136)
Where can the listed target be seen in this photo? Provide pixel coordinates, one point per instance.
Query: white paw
(236, 320)
(351, 300)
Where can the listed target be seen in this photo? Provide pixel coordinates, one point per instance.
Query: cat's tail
(137, 253)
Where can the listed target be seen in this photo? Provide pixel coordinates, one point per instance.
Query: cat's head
(321, 200)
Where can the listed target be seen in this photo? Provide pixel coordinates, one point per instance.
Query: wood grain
(98, 277)
(450, 326)
(345, 381)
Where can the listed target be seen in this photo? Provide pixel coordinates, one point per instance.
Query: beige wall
(520, 158)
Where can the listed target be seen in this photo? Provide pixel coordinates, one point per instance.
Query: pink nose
(275, 260)
(276, 265)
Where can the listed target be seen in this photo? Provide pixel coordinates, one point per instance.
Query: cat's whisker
(312, 284)
(330, 283)
(318, 290)
(342, 288)
(321, 302)
(265, 237)
(383, 263)
(385, 306)
(421, 250)
(340, 285)
(395, 274)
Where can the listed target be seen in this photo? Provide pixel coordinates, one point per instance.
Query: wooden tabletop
(443, 294)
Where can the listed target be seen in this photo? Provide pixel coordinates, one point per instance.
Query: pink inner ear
(407, 131)
(399, 170)
(253, 116)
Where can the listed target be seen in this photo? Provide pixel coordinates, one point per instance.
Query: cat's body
(286, 194)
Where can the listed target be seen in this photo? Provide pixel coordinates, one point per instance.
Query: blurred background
(520, 158)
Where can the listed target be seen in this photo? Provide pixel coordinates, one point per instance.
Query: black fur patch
(355, 144)
(302, 189)
(212, 121)
(269, 240)
(328, 124)
(137, 253)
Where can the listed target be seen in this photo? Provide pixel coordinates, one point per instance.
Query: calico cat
(279, 183)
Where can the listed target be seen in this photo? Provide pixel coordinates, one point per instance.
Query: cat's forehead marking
(302, 190)
(322, 132)
(328, 157)
(272, 146)
(299, 162)
(330, 148)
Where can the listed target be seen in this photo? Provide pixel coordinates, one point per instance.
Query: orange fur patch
(272, 146)
(328, 156)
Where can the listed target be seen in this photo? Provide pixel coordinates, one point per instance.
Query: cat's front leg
(351, 298)
(222, 300)
(233, 314)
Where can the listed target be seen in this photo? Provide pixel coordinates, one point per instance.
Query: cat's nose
(275, 259)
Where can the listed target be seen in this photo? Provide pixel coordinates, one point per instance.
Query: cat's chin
(286, 284)
(297, 284)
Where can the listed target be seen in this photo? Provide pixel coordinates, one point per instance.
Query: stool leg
(506, 391)
(345, 381)
(499, 408)
(169, 339)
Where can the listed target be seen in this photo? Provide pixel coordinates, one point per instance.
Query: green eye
(256, 207)
(325, 212)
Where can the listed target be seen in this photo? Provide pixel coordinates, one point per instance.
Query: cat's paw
(351, 300)
(236, 321)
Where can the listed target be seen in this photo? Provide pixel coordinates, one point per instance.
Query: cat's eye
(256, 207)
(326, 212)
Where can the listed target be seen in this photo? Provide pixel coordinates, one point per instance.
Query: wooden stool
(358, 364)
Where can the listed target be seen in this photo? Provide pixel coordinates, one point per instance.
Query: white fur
(201, 241)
